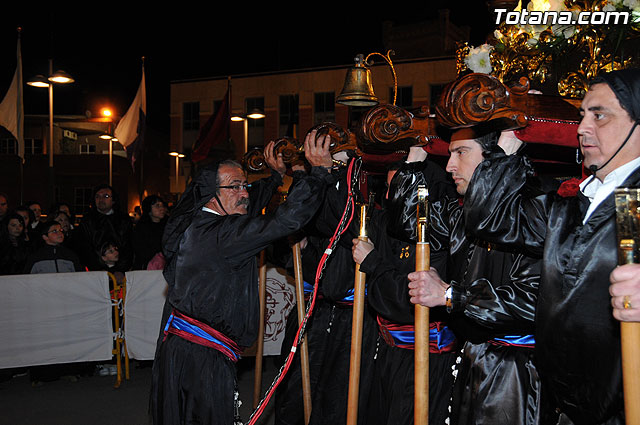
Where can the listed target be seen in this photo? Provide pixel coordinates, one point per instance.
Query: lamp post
(59, 77)
(107, 114)
(255, 114)
(177, 155)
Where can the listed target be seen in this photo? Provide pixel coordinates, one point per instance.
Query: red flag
(213, 132)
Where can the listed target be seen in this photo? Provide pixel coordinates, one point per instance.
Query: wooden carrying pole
(421, 371)
(356, 330)
(628, 227)
(262, 288)
(304, 351)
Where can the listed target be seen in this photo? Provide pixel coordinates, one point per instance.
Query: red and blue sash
(202, 334)
(441, 338)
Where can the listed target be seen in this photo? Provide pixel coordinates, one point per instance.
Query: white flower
(631, 4)
(497, 34)
(546, 5)
(479, 59)
(609, 8)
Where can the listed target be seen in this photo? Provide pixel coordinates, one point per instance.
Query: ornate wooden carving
(292, 150)
(389, 128)
(480, 98)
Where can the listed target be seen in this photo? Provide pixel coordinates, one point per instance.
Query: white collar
(209, 210)
(597, 191)
(614, 178)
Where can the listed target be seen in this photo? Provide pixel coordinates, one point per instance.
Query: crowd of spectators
(104, 238)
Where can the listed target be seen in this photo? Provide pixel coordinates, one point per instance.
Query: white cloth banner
(55, 318)
(279, 301)
(146, 292)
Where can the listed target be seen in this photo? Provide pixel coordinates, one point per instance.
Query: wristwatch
(447, 299)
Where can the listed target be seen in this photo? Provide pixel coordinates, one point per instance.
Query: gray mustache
(243, 201)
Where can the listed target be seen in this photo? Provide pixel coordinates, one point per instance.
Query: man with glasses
(211, 313)
(105, 222)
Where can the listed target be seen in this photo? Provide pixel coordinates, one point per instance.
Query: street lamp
(255, 114)
(177, 155)
(106, 112)
(59, 77)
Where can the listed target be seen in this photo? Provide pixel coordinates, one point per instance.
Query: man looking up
(210, 243)
(577, 334)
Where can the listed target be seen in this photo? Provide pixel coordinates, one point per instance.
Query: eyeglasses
(55, 231)
(106, 196)
(236, 187)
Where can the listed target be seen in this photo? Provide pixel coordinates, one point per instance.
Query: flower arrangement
(561, 57)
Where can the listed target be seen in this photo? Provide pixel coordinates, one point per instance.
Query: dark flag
(213, 132)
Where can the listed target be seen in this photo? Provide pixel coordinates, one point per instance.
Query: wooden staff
(262, 288)
(421, 370)
(356, 329)
(304, 351)
(628, 224)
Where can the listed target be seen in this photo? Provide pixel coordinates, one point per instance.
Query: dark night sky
(103, 49)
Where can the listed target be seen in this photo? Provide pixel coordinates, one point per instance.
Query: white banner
(55, 318)
(146, 292)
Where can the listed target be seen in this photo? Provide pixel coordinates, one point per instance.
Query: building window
(436, 90)
(87, 149)
(82, 199)
(256, 127)
(405, 97)
(324, 108)
(191, 116)
(216, 106)
(288, 115)
(33, 146)
(8, 146)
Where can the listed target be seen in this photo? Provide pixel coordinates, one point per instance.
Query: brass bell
(358, 89)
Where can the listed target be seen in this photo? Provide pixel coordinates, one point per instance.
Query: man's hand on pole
(426, 288)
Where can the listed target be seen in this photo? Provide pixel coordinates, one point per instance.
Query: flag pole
(141, 184)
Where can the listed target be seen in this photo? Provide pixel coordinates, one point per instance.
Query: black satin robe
(577, 338)
(329, 329)
(392, 394)
(215, 280)
(494, 295)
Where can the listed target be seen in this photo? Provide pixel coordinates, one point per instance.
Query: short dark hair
(44, 229)
(105, 245)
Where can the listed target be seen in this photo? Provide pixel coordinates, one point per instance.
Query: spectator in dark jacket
(14, 247)
(147, 234)
(53, 256)
(32, 235)
(105, 222)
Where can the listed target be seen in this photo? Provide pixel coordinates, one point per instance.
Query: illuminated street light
(255, 114)
(60, 77)
(177, 155)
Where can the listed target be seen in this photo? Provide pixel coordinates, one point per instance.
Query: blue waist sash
(526, 341)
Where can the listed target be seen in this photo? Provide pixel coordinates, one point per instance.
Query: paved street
(93, 400)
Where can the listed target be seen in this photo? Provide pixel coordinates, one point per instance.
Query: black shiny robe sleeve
(521, 219)
(216, 268)
(493, 287)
